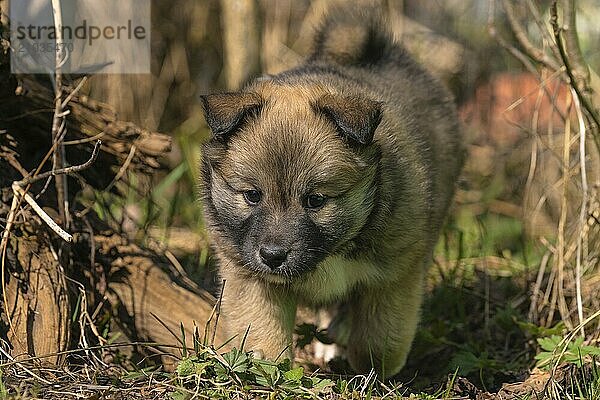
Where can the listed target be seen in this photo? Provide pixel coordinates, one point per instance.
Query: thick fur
(361, 123)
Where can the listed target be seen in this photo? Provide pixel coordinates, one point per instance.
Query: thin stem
(58, 126)
(66, 170)
(583, 209)
(569, 69)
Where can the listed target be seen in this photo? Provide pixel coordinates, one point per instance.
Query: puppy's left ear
(226, 112)
(355, 117)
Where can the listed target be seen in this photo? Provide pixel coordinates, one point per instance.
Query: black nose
(273, 255)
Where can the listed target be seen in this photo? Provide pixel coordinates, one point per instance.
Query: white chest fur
(334, 278)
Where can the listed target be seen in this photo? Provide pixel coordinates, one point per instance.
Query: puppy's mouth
(284, 271)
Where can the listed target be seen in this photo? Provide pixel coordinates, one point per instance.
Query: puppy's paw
(258, 354)
(325, 352)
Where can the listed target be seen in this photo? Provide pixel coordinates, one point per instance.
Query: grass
(475, 335)
(208, 374)
(3, 390)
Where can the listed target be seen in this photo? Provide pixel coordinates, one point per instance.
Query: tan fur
(381, 143)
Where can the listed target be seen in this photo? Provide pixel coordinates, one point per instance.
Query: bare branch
(74, 91)
(18, 191)
(582, 210)
(491, 27)
(531, 50)
(573, 50)
(539, 21)
(583, 97)
(66, 170)
(58, 126)
(218, 313)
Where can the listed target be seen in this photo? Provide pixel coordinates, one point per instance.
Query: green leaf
(266, 373)
(466, 362)
(169, 180)
(185, 367)
(295, 374)
(549, 343)
(591, 350)
(321, 385)
(544, 355)
(238, 361)
(285, 365)
(178, 395)
(191, 366)
(341, 386)
(576, 343)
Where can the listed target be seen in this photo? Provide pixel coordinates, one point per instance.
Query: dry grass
(517, 267)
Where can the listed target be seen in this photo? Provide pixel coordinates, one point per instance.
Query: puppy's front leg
(267, 309)
(383, 322)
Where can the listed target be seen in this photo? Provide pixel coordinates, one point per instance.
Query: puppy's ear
(355, 117)
(226, 112)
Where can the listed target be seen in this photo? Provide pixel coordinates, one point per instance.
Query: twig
(572, 48)
(66, 170)
(16, 202)
(569, 69)
(543, 29)
(543, 85)
(212, 314)
(491, 27)
(18, 190)
(583, 210)
(519, 32)
(85, 140)
(566, 157)
(534, 154)
(524, 58)
(8, 356)
(85, 320)
(6, 233)
(74, 91)
(113, 182)
(58, 118)
(43, 162)
(123, 168)
(3, 246)
(212, 340)
(21, 193)
(536, 288)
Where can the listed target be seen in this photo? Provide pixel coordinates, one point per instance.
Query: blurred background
(518, 258)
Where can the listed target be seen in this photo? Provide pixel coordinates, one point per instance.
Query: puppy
(328, 184)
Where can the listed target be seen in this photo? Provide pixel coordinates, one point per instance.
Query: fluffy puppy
(328, 184)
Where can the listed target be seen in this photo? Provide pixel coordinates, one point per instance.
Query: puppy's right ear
(226, 112)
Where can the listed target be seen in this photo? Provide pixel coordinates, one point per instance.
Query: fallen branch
(21, 193)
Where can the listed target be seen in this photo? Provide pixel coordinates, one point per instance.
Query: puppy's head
(289, 176)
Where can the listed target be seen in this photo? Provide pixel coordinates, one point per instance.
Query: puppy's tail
(353, 37)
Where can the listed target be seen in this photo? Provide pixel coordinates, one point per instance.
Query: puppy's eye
(252, 197)
(314, 201)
